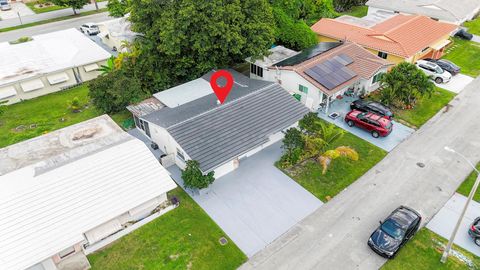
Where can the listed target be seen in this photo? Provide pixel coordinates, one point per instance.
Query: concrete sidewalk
(48, 15)
(445, 220)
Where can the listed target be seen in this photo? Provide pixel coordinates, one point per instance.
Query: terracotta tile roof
(365, 65)
(402, 35)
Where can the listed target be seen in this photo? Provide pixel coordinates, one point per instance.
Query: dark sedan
(394, 231)
(464, 35)
(474, 231)
(446, 65)
(371, 106)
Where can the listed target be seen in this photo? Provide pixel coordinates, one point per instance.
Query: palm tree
(342, 151)
(109, 67)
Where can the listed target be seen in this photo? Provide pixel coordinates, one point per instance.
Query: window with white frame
(303, 89)
(254, 69)
(383, 55)
(180, 155)
(377, 77)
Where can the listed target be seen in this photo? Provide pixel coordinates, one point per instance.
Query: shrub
(194, 178)
(74, 104)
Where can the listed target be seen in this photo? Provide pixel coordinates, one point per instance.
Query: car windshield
(439, 70)
(391, 228)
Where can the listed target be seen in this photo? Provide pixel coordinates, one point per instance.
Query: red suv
(376, 124)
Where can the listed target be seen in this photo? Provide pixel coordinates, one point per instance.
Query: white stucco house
(114, 32)
(456, 12)
(48, 63)
(319, 75)
(69, 192)
(188, 123)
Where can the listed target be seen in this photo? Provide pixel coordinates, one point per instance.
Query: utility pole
(470, 197)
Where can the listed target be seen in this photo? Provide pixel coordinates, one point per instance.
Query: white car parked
(4, 5)
(89, 29)
(434, 71)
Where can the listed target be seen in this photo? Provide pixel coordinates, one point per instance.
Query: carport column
(328, 105)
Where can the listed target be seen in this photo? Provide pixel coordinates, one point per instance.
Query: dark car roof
(403, 216)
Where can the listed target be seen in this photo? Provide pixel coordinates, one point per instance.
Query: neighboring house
(399, 38)
(48, 63)
(319, 75)
(456, 12)
(192, 125)
(68, 191)
(115, 32)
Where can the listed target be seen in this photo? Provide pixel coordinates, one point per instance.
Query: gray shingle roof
(215, 134)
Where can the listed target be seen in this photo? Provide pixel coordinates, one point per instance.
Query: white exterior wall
(290, 81)
(166, 143)
(48, 88)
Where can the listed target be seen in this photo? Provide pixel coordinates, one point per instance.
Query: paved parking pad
(444, 222)
(400, 132)
(256, 203)
(456, 84)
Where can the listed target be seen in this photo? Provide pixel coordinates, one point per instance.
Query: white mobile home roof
(47, 53)
(45, 207)
(447, 10)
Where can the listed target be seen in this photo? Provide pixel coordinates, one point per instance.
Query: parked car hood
(384, 241)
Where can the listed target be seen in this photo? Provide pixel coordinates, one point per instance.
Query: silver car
(4, 5)
(434, 71)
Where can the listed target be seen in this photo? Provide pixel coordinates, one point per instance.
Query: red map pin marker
(221, 91)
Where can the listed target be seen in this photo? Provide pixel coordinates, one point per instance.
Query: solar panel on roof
(333, 72)
(344, 59)
(308, 53)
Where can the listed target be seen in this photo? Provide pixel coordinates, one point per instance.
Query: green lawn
(36, 9)
(467, 185)
(465, 54)
(184, 238)
(342, 171)
(357, 11)
(473, 26)
(87, 13)
(425, 108)
(423, 252)
(34, 117)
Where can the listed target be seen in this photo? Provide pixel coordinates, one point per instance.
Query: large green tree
(344, 5)
(404, 84)
(74, 4)
(309, 11)
(115, 90)
(118, 8)
(181, 40)
(293, 34)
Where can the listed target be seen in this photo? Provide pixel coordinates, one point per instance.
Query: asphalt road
(335, 236)
(51, 27)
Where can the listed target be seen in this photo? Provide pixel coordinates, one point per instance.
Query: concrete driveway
(444, 222)
(256, 203)
(457, 83)
(400, 132)
(17, 8)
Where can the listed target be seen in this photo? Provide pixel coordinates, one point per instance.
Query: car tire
(350, 123)
(375, 134)
(477, 241)
(439, 80)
